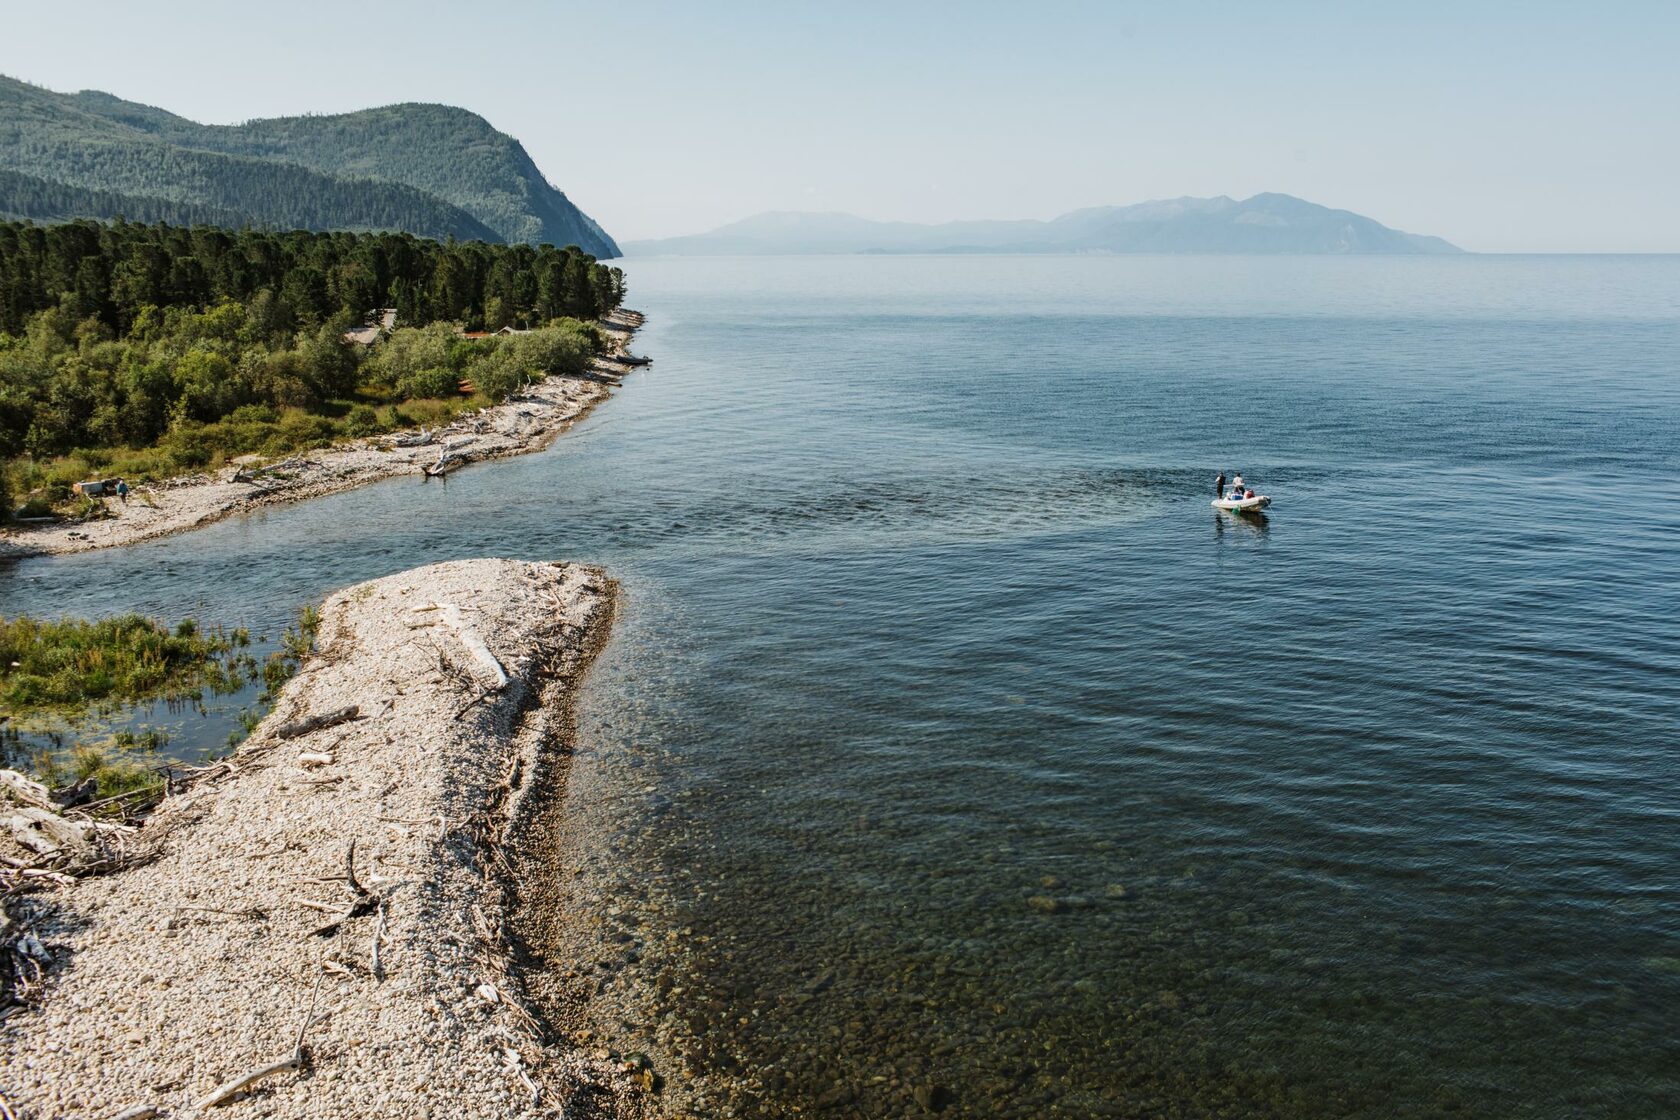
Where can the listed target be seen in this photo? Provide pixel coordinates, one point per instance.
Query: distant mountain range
(432, 170)
(1266, 223)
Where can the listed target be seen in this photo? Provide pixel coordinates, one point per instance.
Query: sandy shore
(199, 963)
(527, 423)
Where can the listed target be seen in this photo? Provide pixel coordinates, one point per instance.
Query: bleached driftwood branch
(295, 1060)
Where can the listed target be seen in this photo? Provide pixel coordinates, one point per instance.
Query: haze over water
(949, 744)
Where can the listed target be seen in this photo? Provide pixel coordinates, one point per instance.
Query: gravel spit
(199, 963)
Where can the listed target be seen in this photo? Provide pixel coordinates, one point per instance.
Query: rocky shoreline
(328, 922)
(528, 422)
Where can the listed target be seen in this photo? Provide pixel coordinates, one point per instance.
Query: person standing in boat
(1237, 485)
(1219, 485)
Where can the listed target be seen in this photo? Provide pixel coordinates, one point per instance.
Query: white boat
(1242, 505)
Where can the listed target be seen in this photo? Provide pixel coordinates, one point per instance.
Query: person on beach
(122, 490)
(1219, 485)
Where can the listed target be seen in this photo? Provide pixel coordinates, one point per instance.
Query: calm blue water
(951, 751)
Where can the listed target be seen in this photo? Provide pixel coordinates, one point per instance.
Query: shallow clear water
(950, 744)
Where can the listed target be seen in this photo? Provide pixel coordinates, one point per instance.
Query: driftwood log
(449, 457)
(254, 474)
(416, 439)
(316, 722)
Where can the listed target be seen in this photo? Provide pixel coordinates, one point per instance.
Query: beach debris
(374, 964)
(450, 615)
(297, 1059)
(45, 832)
(309, 724)
(488, 993)
(283, 469)
(416, 439)
(37, 823)
(516, 1063)
(362, 901)
(449, 456)
(25, 791)
(315, 758)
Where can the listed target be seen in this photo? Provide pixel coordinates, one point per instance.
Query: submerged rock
(931, 1098)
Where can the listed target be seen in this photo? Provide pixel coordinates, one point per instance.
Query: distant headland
(1265, 223)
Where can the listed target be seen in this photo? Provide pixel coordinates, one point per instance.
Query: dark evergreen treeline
(113, 272)
(31, 198)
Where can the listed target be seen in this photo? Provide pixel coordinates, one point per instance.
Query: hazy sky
(1500, 126)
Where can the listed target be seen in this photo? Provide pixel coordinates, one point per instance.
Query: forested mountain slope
(447, 152)
(30, 198)
(430, 170)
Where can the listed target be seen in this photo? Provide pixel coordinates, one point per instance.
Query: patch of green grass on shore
(295, 645)
(67, 666)
(68, 677)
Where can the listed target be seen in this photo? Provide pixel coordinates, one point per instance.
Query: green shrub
(253, 414)
(187, 445)
(564, 348)
(299, 430)
(438, 381)
(500, 375)
(362, 421)
(409, 350)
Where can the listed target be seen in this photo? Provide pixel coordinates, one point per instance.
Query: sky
(1503, 127)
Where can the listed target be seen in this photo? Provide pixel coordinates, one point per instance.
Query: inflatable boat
(1243, 505)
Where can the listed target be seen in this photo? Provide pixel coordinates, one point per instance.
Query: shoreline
(517, 426)
(357, 895)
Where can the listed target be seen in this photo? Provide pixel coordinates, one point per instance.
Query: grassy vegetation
(67, 666)
(123, 763)
(410, 379)
(284, 662)
(259, 430)
(77, 674)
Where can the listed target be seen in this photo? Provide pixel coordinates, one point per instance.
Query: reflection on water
(1255, 522)
(943, 761)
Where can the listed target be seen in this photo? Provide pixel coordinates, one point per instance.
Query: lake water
(952, 753)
